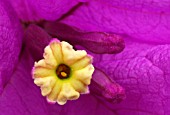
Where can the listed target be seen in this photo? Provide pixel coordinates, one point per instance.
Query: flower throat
(63, 71)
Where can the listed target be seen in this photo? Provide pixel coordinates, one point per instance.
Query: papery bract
(31, 10)
(10, 42)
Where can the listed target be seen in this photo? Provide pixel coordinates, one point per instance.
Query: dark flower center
(63, 71)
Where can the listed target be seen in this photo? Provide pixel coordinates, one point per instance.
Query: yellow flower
(64, 73)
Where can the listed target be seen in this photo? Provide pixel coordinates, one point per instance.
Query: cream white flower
(64, 73)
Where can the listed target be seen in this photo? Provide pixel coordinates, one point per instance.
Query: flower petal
(79, 86)
(84, 75)
(57, 50)
(85, 61)
(67, 92)
(70, 55)
(52, 97)
(42, 72)
(46, 84)
(49, 57)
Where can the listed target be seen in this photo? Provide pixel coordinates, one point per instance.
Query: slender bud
(96, 42)
(103, 87)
